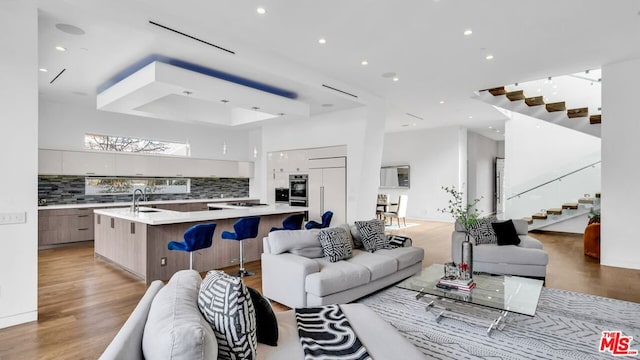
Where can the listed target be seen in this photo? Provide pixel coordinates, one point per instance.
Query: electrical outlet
(13, 218)
(163, 261)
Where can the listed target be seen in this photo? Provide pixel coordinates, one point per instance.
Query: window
(133, 145)
(119, 186)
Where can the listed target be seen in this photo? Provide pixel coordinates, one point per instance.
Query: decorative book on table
(457, 284)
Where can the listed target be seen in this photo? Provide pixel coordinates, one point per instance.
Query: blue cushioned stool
(197, 237)
(326, 221)
(293, 222)
(245, 228)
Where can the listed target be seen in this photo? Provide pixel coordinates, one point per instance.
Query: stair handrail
(554, 180)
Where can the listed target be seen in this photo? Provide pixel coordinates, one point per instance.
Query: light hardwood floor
(83, 301)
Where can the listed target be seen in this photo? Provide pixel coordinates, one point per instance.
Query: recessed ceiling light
(395, 78)
(539, 90)
(322, 41)
(60, 48)
(364, 62)
(497, 130)
(470, 117)
(43, 70)
(468, 32)
(489, 57)
(490, 127)
(261, 10)
(441, 101)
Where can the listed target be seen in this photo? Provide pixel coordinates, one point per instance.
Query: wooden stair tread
(557, 106)
(528, 219)
(534, 101)
(539, 216)
(578, 113)
(554, 211)
(595, 119)
(497, 91)
(586, 200)
(516, 95)
(571, 206)
(597, 195)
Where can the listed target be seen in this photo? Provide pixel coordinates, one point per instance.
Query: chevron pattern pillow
(335, 244)
(483, 232)
(372, 233)
(226, 304)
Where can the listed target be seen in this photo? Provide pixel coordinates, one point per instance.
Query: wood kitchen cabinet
(65, 226)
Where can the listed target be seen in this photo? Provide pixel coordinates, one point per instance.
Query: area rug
(396, 227)
(567, 325)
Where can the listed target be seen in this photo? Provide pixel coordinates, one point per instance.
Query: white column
(19, 161)
(620, 243)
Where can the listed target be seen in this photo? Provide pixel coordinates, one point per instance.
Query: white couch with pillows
(302, 268)
(220, 318)
(502, 247)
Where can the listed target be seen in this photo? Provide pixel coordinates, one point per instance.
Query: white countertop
(128, 203)
(163, 217)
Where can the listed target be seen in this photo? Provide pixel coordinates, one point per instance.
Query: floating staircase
(567, 211)
(557, 112)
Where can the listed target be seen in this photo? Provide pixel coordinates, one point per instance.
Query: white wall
(481, 157)
(63, 125)
(19, 161)
(434, 157)
(360, 129)
(620, 245)
(537, 151)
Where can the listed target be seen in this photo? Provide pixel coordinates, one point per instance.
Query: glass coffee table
(493, 293)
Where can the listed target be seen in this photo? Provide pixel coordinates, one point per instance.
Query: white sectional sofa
(295, 274)
(168, 325)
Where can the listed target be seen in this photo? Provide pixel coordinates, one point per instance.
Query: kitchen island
(137, 242)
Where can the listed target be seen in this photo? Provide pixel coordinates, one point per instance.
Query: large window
(134, 145)
(118, 186)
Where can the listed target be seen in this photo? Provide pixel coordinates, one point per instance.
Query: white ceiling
(421, 41)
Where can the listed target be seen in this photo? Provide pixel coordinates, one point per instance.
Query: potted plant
(466, 214)
(592, 235)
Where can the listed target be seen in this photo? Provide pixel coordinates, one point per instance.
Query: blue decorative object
(293, 222)
(245, 228)
(197, 237)
(326, 221)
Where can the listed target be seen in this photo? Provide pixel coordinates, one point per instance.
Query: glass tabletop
(511, 293)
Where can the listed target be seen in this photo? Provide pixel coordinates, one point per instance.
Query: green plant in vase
(467, 215)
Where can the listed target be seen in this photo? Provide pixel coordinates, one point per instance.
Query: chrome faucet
(147, 192)
(135, 207)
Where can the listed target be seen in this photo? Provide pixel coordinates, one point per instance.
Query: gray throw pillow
(483, 232)
(226, 304)
(335, 244)
(372, 233)
(175, 328)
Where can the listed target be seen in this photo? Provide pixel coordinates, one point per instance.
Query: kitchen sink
(148, 211)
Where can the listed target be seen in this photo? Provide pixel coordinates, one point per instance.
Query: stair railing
(559, 178)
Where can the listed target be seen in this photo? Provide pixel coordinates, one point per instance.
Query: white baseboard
(18, 319)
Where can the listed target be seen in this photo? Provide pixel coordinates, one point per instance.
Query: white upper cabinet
(59, 162)
(49, 162)
(88, 163)
(137, 165)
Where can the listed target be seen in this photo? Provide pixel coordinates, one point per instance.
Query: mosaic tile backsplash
(59, 190)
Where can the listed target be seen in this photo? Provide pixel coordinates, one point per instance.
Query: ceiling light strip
(57, 76)
(338, 90)
(191, 37)
(415, 116)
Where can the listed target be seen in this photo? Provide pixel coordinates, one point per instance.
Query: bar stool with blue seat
(197, 237)
(245, 228)
(293, 222)
(326, 221)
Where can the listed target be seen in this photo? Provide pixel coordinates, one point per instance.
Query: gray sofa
(526, 259)
(294, 275)
(166, 324)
